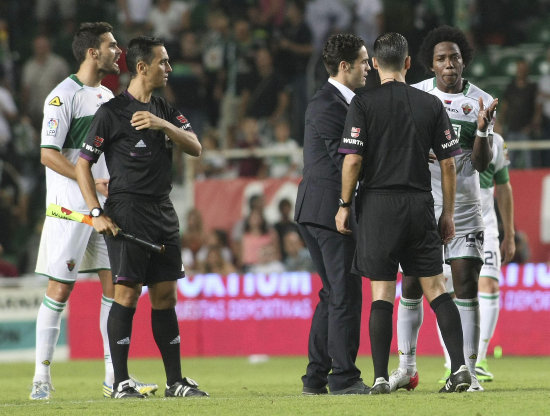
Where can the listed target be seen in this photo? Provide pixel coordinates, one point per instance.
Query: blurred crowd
(243, 71)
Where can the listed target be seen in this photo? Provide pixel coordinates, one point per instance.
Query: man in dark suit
(336, 323)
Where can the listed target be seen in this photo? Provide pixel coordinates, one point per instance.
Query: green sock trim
(54, 305)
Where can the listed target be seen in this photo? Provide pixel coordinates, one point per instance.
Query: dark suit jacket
(320, 188)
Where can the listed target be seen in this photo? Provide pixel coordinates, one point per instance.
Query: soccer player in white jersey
(67, 247)
(495, 182)
(445, 52)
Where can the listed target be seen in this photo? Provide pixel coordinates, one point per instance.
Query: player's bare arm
(54, 159)
(505, 202)
(350, 173)
(482, 152)
(102, 224)
(188, 141)
(448, 187)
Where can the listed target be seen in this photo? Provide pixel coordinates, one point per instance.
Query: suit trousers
(336, 323)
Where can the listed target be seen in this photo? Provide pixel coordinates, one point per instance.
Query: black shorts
(152, 221)
(398, 228)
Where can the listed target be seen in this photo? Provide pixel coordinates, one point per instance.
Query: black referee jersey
(393, 127)
(139, 161)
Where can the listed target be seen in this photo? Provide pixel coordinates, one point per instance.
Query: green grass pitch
(273, 387)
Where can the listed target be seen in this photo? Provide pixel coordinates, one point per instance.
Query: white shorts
(468, 241)
(492, 263)
(68, 248)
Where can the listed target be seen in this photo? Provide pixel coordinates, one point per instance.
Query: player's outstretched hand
(485, 115)
(342, 220)
(145, 120)
(446, 227)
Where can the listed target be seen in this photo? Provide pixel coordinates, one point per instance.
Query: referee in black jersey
(136, 132)
(387, 137)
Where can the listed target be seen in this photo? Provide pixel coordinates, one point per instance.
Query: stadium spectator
(157, 125)
(257, 235)
(255, 202)
(265, 98)
(285, 224)
(519, 114)
(214, 48)
(297, 255)
(212, 164)
(8, 114)
(293, 47)
(215, 262)
(286, 163)
(133, 15)
(193, 238)
(324, 18)
(239, 67)
(215, 238)
(7, 268)
(167, 20)
(41, 74)
(544, 103)
(187, 82)
(248, 137)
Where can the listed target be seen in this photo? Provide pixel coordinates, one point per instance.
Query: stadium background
(221, 315)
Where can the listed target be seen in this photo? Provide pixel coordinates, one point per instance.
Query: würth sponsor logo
(355, 131)
(449, 144)
(356, 142)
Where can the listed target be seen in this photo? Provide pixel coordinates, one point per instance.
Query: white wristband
(482, 133)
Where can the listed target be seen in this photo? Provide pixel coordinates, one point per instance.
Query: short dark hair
(341, 47)
(141, 49)
(391, 49)
(88, 36)
(444, 34)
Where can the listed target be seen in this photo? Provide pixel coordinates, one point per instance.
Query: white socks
(106, 304)
(469, 315)
(410, 315)
(48, 323)
(489, 308)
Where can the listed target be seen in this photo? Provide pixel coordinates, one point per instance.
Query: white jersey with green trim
(497, 171)
(462, 109)
(68, 113)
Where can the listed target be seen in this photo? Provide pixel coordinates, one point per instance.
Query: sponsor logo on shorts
(467, 108)
(70, 264)
(51, 127)
(56, 101)
(355, 131)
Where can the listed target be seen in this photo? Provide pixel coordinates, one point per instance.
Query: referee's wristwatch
(96, 212)
(343, 204)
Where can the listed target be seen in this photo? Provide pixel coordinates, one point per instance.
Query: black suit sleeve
(330, 124)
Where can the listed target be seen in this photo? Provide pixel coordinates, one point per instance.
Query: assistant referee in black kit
(136, 132)
(388, 134)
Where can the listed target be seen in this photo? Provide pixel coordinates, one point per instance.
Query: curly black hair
(341, 47)
(444, 34)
